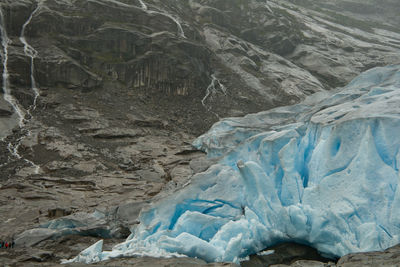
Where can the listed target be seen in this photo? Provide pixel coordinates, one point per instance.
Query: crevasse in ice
(324, 172)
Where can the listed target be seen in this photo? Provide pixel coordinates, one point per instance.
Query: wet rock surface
(288, 254)
(123, 93)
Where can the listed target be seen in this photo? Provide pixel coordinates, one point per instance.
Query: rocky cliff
(102, 98)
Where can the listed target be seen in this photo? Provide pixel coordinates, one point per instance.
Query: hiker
(6, 244)
(12, 243)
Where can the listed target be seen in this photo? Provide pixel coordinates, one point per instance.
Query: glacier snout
(322, 172)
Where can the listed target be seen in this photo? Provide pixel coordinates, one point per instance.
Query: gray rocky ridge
(102, 99)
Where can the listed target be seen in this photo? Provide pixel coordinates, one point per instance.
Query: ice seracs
(324, 172)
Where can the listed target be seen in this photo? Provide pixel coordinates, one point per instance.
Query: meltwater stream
(31, 53)
(324, 172)
(164, 13)
(211, 90)
(143, 5)
(145, 8)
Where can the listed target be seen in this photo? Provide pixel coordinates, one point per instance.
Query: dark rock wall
(85, 45)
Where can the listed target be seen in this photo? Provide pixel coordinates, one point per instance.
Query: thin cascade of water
(181, 33)
(5, 86)
(118, 3)
(178, 24)
(31, 53)
(14, 151)
(213, 89)
(144, 6)
(268, 7)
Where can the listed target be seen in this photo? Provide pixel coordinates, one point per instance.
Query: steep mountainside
(102, 98)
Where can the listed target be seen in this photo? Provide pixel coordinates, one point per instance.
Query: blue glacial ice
(324, 172)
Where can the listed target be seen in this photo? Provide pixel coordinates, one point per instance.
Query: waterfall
(181, 33)
(178, 24)
(31, 53)
(144, 6)
(4, 56)
(213, 89)
(14, 151)
(268, 7)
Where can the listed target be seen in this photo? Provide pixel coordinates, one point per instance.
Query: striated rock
(181, 174)
(116, 133)
(40, 256)
(34, 236)
(128, 213)
(200, 164)
(389, 257)
(97, 224)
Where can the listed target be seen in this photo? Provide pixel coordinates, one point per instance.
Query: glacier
(324, 172)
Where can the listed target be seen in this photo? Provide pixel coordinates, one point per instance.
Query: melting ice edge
(324, 172)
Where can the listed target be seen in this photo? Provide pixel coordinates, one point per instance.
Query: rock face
(125, 86)
(265, 54)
